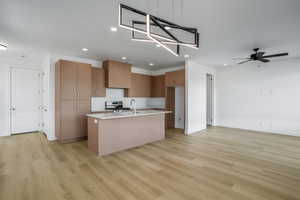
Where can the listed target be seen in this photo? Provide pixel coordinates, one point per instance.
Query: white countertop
(117, 115)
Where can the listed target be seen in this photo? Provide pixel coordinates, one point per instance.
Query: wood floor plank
(215, 164)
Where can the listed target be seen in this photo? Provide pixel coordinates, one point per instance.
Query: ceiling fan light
(3, 47)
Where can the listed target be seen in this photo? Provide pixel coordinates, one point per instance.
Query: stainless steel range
(116, 106)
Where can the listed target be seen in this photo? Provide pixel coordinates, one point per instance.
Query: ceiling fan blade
(244, 62)
(264, 60)
(276, 55)
(240, 58)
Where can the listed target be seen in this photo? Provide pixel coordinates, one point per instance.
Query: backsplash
(98, 103)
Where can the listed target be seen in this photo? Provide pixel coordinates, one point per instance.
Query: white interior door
(209, 102)
(25, 100)
(45, 103)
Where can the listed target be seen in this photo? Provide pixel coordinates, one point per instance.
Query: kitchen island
(113, 132)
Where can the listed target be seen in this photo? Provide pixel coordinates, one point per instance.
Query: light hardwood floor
(219, 163)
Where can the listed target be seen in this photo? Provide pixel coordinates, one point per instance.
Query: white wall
(263, 99)
(98, 103)
(179, 107)
(5, 64)
(196, 96)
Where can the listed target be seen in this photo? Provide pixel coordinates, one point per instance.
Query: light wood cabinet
(67, 79)
(117, 74)
(176, 78)
(170, 106)
(98, 82)
(140, 86)
(158, 86)
(84, 82)
(72, 100)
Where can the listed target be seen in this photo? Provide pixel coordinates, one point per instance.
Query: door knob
(13, 109)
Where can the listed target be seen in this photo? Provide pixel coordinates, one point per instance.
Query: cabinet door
(140, 86)
(118, 74)
(169, 81)
(68, 80)
(176, 78)
(158, 86)
(98, 82)
(83, 108)
(179, 77)
(68, 120)
(84, 81)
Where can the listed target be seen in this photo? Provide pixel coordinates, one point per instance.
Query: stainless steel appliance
(116, 106)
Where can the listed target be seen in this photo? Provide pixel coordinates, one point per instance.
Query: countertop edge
(128, 116)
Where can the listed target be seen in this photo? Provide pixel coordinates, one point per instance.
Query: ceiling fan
(259, 56)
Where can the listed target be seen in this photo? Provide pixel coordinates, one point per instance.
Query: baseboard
(261, 131)
(194, 132)
(73, 140)
(51, 138)
(4, 134)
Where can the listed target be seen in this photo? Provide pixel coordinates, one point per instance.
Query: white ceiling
(228, 28)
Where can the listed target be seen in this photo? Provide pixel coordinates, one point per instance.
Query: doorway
(175, 102)
(179, 107)
(209, 99)
(25, 100)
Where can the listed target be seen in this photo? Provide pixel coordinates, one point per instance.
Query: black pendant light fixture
(156, 30)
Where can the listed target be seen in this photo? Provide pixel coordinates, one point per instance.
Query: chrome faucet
(133, 105)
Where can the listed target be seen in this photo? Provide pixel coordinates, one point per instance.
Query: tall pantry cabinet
(73, 86)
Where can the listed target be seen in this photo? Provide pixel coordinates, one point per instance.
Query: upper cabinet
(158, 86)
(118, 74)
(84, 81)
(98, 82)
(140, 86)
(176, 78)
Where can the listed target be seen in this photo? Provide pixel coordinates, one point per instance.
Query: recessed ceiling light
(124, 58)
(84, 49)
(186, 56)
(225, 64)
(157, 45)
(151, 64)
(167, 28)
(3, 47)
(113, 29)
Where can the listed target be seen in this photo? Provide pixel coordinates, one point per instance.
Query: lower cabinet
(83, 108)
(67, 121)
